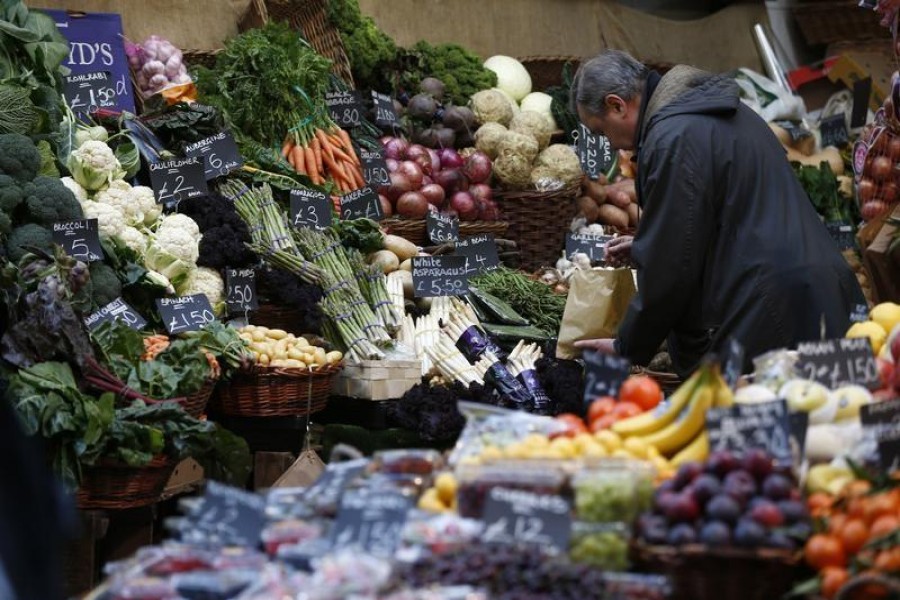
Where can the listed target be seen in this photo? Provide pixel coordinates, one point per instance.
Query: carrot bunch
(325, 155)
(154, 344)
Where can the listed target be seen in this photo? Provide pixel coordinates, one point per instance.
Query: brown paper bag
(598, 300)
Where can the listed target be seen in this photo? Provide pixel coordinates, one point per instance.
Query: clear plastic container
(476, 482)
(631, 586)
(142, 588)
(211, 585)
(239, 558)
(606, 494)
(292, 531)
(601, 545)
(407, 462)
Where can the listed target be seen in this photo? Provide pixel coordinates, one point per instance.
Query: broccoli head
(19, 158)
(48, 200)
(11, 194)
(105, 284)
(27, 235)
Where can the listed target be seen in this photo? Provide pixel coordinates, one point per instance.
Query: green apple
(849, 399)
(810, 397)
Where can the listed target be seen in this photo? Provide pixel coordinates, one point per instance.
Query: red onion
(873, 209)
(434, 194)
(478, 167)
(392, 164)
(387, 208)
(481, 192)
(450, 158)
(396, 148)
(412, 205)
(465, 205)
(413, 172)
(865, 189)
(487, 211)
(881, 168)
(889, 192)
(427, 180)
(436, 161)
(417, 151)
(452, 180)
(399, 185)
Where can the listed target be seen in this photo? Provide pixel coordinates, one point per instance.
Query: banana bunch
(677, 427)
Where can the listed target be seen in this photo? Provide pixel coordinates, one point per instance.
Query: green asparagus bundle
(373, 285)
(349, 327)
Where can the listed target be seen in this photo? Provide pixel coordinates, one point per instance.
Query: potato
(296, 354)
(263, 360)
(319, 354)
(613, 215)
(277, 334)
(334, 357)
(401, 247)
(406, 265)
(589, 208)
(259, 336)
(595, 190)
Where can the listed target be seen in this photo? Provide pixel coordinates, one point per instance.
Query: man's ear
(615, 104)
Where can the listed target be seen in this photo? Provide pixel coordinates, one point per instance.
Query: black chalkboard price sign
(765, 425)
(345, 108)
(603, 374)
(219, 152)
(178, 179)
(441, 227)
(79, 238)
(592, 245)
(834, 131)
(240, 288)
(374, 167)
(480, 252)
(836, 362)
(516, 516)
(881, 420)
(117, 310)
(328, 489)
(372, 520)
(311, 209)
(439, 276)
(185, 313)
(594, 151)
(361, 204)
(385, 113)
(227, 516)
(88, 92)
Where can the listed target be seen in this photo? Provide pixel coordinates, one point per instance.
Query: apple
(885, 372)
(810, 397)
(827, 478)
(849, 399)
(893, 341)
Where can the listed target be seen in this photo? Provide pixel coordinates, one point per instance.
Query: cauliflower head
(143, 197)
(119, 194)
(110, 220)
(134, 239)
(180, 223)
(74, 187)
(209, 283)
(180, 243)
(94, 165)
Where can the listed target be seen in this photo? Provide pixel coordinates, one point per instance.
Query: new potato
(278, 348)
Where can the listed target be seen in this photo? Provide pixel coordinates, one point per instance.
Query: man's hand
(618, 251)
(604, 345)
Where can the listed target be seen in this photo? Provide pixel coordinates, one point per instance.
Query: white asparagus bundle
(457, 324)
(465, 309)
(407, 333)
(441, 308)
(427, 334)
(451, 363)
(523, 357)
(395, 291)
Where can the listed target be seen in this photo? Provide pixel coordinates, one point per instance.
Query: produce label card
(834, 131)
(96, 44)
(178, 179)
(385, 113)
(227, 516)
(219, 152)
(329, 487)
(374, 167)
(442, 227)
(79, 238)
(837, 362)
(592, 245)
(345, 108)
(516, 516)
(881, 421)
(480, 252)
(439, 276)
(117, 310)
(185, 313)
(240, 288)
(603, 374)
(880, 413)
(86, 93)
(310, 208)
(764, 425)
(843, 234)
(371, 519)
(594, 151)
(732, 361)
(361, 204)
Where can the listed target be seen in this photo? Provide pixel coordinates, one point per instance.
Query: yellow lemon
(610, 439)
(595, 450)
(431, 502)
(446, 485)
(566, 446)
(583, 440)
(489, 453)
(871, 330)
(636, 446)
(536, 440)
(622, 453)
(886, 314)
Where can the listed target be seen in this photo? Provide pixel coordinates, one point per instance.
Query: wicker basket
(114, 485)
(276, 392)
(538, 223)
(275, 316)
(698, 573)
(195, 404)
(834, 21)
(416, 231)
(311, 17)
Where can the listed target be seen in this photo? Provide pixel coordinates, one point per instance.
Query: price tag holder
(329, 487)
(480, 252)
(594, 152)
(345, 108)
(843, 234)
(763, 425)
(603, 374)
(374, 167)
(836, 362)
(361, 204)
(89, 92)
(883, 420)
(516, 516)
(311, 209)
(240, 285)
(592, 245)
(79, 238)
(117, 310)
(385, 113)
(799, 424)
(439, 276)
(834, 131)
(227, 516)
(178, 179)
(732, 363)
(219, 152)
(372, 520)
(185, 313)
(441, 227)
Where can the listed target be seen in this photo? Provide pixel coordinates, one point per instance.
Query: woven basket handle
(342, 452)
(890, 585)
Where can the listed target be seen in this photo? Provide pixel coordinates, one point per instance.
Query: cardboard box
(882, 264)
(377, 379)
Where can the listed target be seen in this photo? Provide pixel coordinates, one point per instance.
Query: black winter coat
(729, 244)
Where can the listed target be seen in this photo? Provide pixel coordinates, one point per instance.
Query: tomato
(641, 390)
(853, 535)
(574, 424)
(833, 579)
(824, 550)
(602, 423)
(819, 503)
(600, 408)
(623, 410)
(883, 525)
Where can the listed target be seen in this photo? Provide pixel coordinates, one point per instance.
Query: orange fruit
(857, 488)
(883, 525)
(623, 410)
(642, 390)
(825, 550)
(853, 535)
(836, 522)
(880, 505)
(819, 503)
(888, 561)
(602, 423)
(833, 579)
(600, 408)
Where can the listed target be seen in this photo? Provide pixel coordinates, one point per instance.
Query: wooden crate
(377, 379)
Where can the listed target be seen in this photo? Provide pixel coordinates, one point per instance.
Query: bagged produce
(597, 302)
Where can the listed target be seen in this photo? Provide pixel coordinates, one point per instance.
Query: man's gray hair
(610, 72)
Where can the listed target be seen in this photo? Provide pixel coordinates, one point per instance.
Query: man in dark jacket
(728, 244)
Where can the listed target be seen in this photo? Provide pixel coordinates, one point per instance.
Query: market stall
(295, 316)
